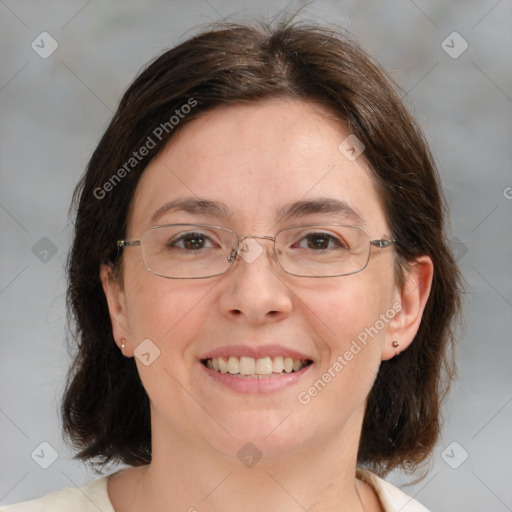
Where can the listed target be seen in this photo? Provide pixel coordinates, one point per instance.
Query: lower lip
(263, 384)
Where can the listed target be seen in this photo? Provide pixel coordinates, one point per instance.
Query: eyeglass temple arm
(127, 243)
(382, 242)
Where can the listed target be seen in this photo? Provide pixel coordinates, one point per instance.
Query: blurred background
(64, 66)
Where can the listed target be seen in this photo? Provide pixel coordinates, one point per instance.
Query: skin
(255, 159)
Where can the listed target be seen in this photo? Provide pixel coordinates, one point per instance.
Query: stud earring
(395, 343)
(122, 344)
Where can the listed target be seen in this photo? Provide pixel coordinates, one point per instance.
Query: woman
(262, 290)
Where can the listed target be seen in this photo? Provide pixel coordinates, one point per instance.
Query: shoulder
(91, 498)
(391, 497)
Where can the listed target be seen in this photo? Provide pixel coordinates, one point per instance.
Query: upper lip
(255, 352)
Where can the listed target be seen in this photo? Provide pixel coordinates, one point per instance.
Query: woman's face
(255, 160)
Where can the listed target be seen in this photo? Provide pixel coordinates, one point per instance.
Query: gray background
(54, 111)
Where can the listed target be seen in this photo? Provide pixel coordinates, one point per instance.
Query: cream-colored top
(94, 497)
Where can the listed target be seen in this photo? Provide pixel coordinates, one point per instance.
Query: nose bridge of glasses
(245, 237)
(248, 248)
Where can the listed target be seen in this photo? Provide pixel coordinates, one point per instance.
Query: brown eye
(318, 242)
(321, 241)
(191, 242)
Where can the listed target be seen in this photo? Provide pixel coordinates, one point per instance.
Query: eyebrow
(210, 208)
(323, 205)
(197, 206)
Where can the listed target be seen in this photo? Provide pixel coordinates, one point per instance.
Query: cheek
(166, 312)
(350, 354)
(346, 308)
(349, 319)
(163, 310)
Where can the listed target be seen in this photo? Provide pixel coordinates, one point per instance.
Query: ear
(116, 301)
(412, 297)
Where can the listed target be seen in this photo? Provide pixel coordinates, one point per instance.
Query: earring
(395, 343)
(122, 344)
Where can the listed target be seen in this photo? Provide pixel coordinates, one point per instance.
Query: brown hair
(105, 408)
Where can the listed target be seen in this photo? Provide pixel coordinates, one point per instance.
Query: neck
(187, 475)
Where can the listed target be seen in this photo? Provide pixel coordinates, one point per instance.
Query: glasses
(195, 251)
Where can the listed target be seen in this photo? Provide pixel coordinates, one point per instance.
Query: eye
(191, 242)
(320, 241)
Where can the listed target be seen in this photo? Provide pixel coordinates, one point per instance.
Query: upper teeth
(250, 366)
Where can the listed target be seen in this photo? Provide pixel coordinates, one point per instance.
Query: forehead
(257, 160)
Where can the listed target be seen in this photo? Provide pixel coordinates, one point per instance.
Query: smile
(250, 367)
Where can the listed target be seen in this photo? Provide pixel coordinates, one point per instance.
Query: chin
(261, 434)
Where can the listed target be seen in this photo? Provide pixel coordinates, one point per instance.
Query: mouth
(246, 367)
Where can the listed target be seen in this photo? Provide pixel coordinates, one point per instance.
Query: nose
(254, 290)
